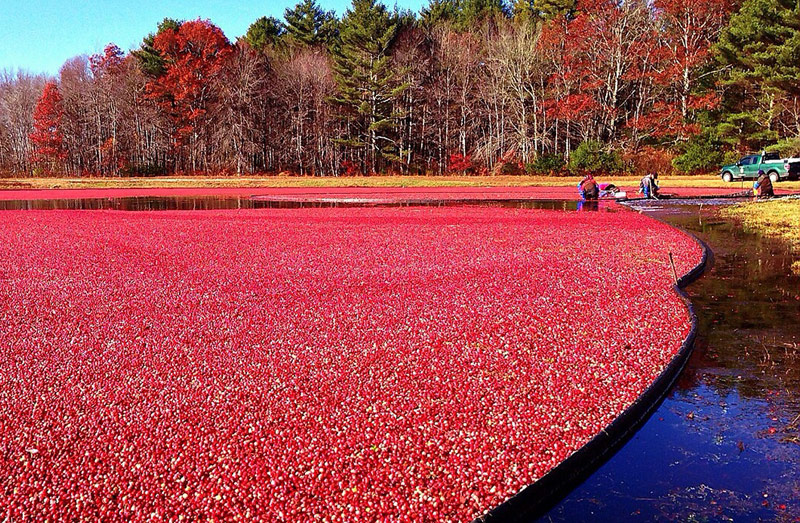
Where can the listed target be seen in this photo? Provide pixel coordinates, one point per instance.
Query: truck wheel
(727, 177)
(773, 177)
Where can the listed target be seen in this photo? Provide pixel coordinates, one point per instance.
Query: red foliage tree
(47, 139)
(573, 97)
(634, 67)
(461, 163)
(109, 62)
(194, 54)
(690, 29)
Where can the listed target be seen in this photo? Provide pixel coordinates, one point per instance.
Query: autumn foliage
(461, 163)
(382, 91)
(47, 138)
(194, 55)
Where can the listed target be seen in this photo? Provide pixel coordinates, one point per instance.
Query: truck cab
(771, 163)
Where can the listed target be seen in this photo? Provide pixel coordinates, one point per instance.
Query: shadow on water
(204, 203)
(725, 444)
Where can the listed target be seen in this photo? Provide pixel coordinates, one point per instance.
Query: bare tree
(460, 66)
(412, 58)
(305, 83)
(517, 63)
(78, 124)
(241, 86)
(18, 95)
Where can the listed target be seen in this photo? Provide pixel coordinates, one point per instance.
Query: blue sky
(39, 35)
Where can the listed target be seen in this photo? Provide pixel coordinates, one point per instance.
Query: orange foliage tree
(46, 138)
(194, 54)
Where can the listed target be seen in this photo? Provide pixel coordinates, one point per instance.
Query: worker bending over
(588, 188)
(649, 186)
(763, 186)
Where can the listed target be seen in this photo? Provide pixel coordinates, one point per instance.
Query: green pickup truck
(771, 163)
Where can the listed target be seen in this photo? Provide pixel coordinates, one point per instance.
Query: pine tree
(760, 50)
(367, 84)
(264, 32)
(47, 139)
(439, 12)
(474, 12)
(533, 11)
(523, 13)
(150, 59)
(308, 24)
(406, 18)
(549, 9)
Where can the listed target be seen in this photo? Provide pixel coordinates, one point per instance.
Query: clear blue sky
(39, 35)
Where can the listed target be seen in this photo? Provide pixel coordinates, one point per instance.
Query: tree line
(464, 86)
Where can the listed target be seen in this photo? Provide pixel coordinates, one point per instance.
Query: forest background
(475, 87)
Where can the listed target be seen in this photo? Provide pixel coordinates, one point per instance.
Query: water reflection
(725, 444)
(588, 205)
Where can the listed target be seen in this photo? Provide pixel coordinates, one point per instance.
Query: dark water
(189, 203)
(725, 444)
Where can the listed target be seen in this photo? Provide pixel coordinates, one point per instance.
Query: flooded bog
(724, 445)
(204, 203)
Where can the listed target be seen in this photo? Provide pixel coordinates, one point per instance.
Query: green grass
(779, 218)
(775, 218)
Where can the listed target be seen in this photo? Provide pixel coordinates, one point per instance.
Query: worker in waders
(763, 186)
(649, 186)
(588, 188)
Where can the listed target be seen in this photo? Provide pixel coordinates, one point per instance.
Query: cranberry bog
(725, 443)
(80, 198)
(408, 363)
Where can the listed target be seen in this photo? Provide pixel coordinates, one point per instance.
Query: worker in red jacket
(588, 188)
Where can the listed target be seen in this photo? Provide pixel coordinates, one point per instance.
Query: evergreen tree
(308, 24)
(473, 12)
(523, 13)
(405, 18)
(534, 11)
(549, 9)
(760, 50)
(439, 12)
(264, 32)
(150, 59)
(367, 84)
